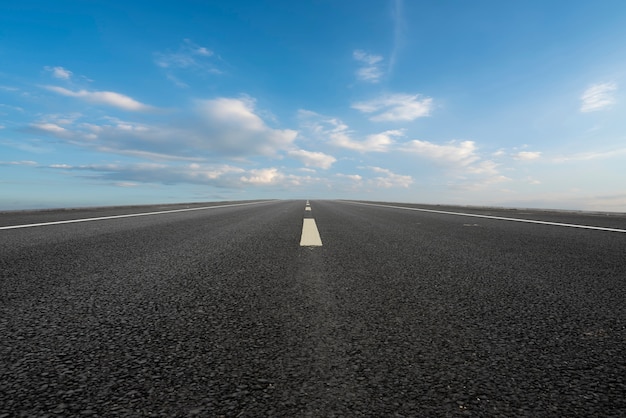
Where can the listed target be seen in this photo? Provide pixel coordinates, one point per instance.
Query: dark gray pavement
(220, 312)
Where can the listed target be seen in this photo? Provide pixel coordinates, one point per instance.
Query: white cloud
(214, 129)
(232, 127)
(373, 143)
(527, 155)
(273, 177)
(313, 159)
(483, 167)
(370, 70)
(461, 153)
(598, 97)
(49, 127)
(59, 72)
(461, 160)
(381, 141)
(368, 59)
(396, 107)
(262, 176)
(337, 133)
(389, 179)
(108, 98)
(353, 177)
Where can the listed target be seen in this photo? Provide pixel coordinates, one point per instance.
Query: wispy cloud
(108, 98)
(370, 70)
(188, 57)
(460, 160)
(591, 155)
(48, 127)
(487, 167)
(380, 142)
(397, 15)
(126, 184)
(598, 97)
(353, 177)
(313, 159)
(475, 184)
(387, 178)
(396, 107)
(12, 108)
(462, 153)
(527, 155)
(25, 162)
(337, 133)
(59, 72)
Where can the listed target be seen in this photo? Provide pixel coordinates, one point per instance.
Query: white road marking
(308, 208)
(128, 215)
(501, 218)
(310, 235)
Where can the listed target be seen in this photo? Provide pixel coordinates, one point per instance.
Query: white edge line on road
(501, 218)
(130, 215)
(310, 235)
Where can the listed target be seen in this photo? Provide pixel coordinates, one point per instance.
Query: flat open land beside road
(397, 309)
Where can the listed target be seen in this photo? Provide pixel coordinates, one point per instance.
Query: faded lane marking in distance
(310, 235)
(500, 218)
(128, 216)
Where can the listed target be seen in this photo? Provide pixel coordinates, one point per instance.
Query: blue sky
(516, 103)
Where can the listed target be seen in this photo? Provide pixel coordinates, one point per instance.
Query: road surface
(220, 311)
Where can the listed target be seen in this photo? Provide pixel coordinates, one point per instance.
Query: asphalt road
(221, 312)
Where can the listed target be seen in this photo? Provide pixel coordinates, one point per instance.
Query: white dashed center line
(310, 235)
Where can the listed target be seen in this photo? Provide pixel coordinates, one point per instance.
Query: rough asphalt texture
(221, 313)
